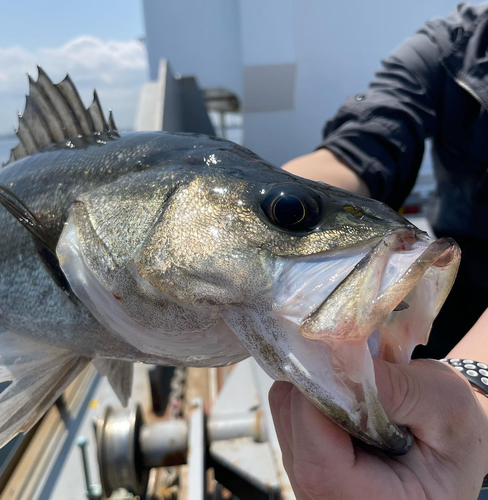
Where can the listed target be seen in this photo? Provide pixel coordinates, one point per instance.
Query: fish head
(314, 281)
(337, 280)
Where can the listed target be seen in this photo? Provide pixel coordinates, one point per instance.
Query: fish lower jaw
(338, 378)
(328, 352)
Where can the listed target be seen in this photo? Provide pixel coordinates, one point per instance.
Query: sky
(96, 42)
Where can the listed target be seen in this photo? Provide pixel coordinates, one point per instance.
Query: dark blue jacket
(435, 85)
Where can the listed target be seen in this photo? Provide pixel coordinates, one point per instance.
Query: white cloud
(117, 69)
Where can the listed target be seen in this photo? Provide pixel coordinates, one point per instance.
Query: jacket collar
(466, 58)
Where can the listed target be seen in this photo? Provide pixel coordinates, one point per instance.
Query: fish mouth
(380, 285)
(380, 301)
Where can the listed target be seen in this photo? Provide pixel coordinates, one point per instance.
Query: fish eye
(292, 207)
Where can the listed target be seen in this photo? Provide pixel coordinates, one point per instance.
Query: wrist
(481, 398)
(475, 374)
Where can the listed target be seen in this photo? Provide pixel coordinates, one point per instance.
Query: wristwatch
(474, 371)
(477, 374)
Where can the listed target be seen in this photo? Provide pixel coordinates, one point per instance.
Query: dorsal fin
(55, 116)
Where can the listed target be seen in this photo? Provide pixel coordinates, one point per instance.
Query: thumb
(424, 395)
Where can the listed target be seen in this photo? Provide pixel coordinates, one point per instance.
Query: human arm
(447, 461)
(474, 345)
(322, 165)
(380, 135)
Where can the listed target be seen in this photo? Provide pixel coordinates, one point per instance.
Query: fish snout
(380, 301)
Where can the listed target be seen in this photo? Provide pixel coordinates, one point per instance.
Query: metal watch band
(474, 371)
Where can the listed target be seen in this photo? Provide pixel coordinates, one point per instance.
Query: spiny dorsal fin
(96, 114)
(55, 116)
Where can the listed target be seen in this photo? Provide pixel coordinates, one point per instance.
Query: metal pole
(164, 443)
(82, 442)
(222, 125)
(93, 491)
(196, 451)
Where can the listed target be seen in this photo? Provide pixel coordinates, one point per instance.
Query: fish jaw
(333, 315)
(380, 281)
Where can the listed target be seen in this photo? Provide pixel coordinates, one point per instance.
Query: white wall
(198, 37)
(325, 50)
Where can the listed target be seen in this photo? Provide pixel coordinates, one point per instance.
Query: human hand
(448, 458)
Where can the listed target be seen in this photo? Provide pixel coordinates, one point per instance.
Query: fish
(189, 250)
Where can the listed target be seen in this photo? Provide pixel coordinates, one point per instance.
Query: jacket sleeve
(381, 134)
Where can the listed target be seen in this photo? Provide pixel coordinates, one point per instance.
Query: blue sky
(97, 42)
(53, 22)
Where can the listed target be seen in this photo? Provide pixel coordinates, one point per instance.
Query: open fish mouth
(337, 311)
(404, 272)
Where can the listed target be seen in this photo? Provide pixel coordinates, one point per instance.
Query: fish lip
(407, 233)
(293, 296)
(411, 235)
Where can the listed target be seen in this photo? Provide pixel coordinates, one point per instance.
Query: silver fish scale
(30, 301)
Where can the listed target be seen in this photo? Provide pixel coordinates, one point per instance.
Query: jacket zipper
(464, 86)
(470, 91)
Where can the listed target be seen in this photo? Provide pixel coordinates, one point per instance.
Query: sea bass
(189, 250)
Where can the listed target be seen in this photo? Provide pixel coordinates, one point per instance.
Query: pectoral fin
(39, 374)
(44, 240)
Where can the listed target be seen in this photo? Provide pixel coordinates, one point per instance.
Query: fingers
(323, 452)
(280, 404)
(406, 390)
(317, 454)
(279, 401)
(427, 396)
(316, 439)
(277, 393)
(450, 429)
(433, 400)
(320, 458)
